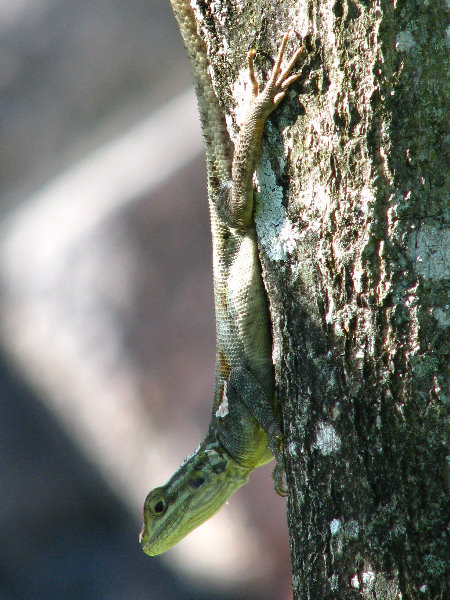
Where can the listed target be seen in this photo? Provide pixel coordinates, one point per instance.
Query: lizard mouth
(141, 533)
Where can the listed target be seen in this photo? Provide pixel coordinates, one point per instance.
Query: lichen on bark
(352, 218)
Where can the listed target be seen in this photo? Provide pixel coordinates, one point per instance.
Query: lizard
(244, 431)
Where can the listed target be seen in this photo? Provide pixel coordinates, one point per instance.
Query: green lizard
(244, 432)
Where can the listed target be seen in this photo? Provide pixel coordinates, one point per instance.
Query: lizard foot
(279, 79)
(282, 79)
(278, 474)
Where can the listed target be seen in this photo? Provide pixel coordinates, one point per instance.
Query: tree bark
(351, 224)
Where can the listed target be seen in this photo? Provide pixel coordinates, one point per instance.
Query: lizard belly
(242, 316)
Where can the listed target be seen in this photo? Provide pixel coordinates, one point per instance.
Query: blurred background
(106, 314)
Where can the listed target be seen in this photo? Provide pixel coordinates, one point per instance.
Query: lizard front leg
(247, 425)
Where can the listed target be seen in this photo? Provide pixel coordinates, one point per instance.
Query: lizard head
(191, 496)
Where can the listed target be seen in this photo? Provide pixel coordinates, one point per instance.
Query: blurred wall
(110, 328)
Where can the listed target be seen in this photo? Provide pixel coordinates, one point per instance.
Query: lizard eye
(196, 482)
(159, 508)
(155, 504)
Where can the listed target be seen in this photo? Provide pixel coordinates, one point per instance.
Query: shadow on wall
(63, 534)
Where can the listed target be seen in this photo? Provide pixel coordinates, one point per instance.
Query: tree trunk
(350, 219)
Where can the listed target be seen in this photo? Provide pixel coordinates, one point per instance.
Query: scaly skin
(244, 432)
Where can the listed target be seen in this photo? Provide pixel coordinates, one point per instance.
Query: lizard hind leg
(248, 142)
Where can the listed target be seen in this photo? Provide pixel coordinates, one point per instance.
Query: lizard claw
(280, 79)
(251, 68)
(278, 475)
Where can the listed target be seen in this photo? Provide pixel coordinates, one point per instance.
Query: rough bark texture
(351, 223)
